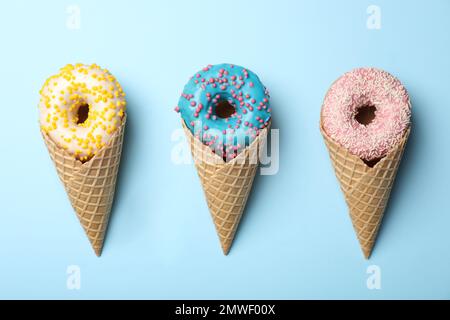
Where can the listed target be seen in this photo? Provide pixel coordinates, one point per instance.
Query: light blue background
(295, 240)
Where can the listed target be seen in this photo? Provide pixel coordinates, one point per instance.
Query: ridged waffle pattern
(90, 185)
(226, 185)
(366, 190)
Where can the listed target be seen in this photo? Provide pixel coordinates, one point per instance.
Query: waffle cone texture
(90, 186)
(226, 185)
(366, 189)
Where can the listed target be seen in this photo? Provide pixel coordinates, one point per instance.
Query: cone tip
(98, 251)
(226, 249)
(367, 253)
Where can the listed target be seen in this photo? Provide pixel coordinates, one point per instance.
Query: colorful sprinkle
(369, 88)
(231, 86)
(81, 90)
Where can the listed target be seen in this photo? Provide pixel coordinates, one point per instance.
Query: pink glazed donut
(367, 111)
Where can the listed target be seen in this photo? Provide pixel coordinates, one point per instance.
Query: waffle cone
(366, 190)
(226, 185)
(90, 185)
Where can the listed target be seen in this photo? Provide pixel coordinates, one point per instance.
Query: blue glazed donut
(225, 106)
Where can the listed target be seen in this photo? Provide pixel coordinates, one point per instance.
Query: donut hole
(372, 163)
(224, 109)
(365, 114)
(82, 113)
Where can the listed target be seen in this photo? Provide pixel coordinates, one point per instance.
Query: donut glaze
(365, 87)
(74, 88)
(235, 86)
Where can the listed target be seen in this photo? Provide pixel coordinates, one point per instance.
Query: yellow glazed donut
(80, 109)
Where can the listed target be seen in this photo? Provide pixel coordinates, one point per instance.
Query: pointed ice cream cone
(366, 189)
(90, 185)
(226, 185)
